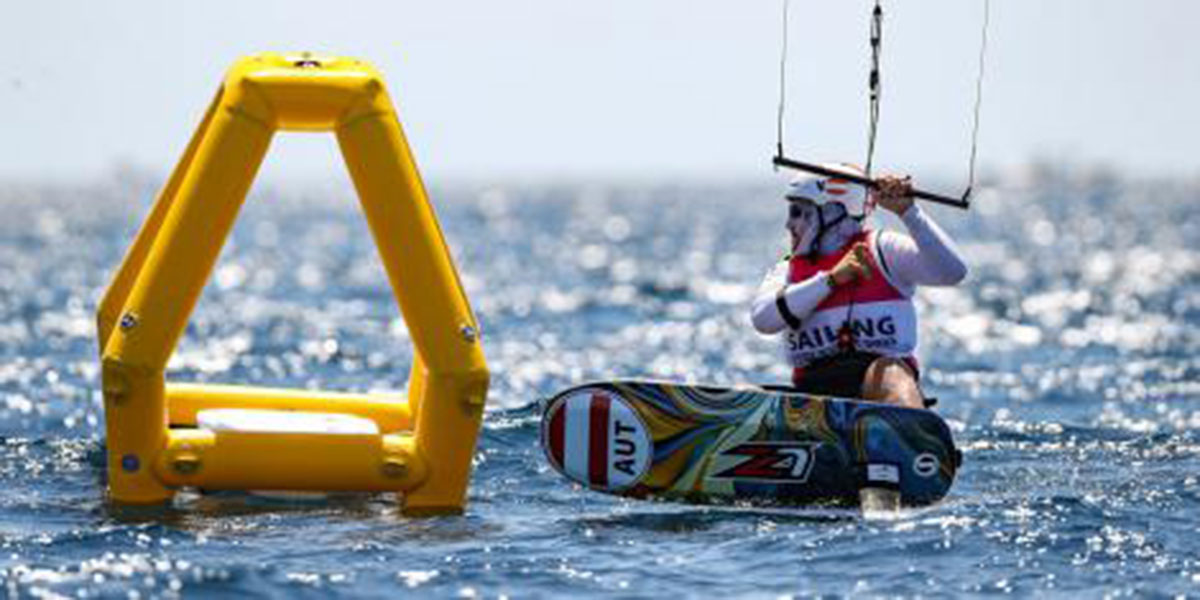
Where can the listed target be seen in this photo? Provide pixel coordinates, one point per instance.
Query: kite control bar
(782, 161)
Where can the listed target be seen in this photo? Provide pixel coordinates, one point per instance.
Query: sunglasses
(801, 208)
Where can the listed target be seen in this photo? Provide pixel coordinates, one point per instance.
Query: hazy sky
(653, 89)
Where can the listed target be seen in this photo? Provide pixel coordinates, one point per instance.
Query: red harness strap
(875, 289)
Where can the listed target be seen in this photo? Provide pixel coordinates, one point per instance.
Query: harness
(870, 316)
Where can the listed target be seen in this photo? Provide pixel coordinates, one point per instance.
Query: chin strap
(823, 228)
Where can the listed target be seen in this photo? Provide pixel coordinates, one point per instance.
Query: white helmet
(822, 190)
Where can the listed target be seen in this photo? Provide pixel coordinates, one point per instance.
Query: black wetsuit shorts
(839, 375)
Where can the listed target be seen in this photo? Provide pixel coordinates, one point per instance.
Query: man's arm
(775, 296)
(926, 256)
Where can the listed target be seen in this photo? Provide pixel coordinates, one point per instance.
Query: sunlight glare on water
(1066, 366)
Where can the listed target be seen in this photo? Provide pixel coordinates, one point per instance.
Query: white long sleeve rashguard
(926, 256)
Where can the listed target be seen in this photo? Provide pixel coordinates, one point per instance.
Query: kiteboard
(765, 445)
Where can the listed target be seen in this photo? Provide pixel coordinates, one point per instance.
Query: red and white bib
(882, 318)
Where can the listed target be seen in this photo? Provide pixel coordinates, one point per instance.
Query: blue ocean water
(1066, 367)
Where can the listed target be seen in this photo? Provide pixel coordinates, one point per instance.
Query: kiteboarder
(843, 295)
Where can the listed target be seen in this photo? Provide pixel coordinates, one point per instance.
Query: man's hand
(854, 265)
(894, 193)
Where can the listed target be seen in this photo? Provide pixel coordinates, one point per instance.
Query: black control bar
(782, 161)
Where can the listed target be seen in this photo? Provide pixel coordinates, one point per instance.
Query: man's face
(802, 221)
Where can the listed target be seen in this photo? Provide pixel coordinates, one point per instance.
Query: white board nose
(595, 438)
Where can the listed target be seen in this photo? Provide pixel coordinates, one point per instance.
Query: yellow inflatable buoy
(157, 436)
